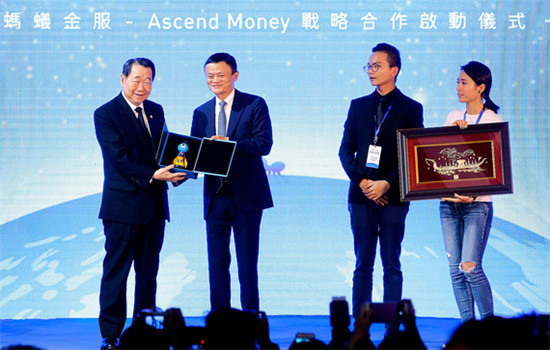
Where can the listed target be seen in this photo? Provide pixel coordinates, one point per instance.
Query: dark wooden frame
(458, 169)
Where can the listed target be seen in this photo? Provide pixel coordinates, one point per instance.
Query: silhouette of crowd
(236, 329)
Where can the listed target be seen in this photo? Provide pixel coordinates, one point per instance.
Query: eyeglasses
(375, 67)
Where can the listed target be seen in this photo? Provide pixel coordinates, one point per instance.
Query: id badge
(373, 157)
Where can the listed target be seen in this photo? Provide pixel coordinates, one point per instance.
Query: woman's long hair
(481, 74)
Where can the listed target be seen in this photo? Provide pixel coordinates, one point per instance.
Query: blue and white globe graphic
(51, 259)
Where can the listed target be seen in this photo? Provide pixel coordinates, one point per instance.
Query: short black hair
(393, 55)
(145, 62)
(223, 57)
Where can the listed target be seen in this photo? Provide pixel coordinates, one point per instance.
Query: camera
(165, 326)
(340, 321)
(339, 313)
(152, 318)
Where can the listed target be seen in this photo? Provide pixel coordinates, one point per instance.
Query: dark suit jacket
(129, 162)
(250, 126)
(359, 130)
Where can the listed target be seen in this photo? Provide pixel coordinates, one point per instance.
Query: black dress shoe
(109, 343)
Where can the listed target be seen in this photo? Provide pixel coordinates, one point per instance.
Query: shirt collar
(388, 98)
(228, 99)
(133, 106)
(390, 95)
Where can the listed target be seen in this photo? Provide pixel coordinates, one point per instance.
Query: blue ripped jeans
(465, 229)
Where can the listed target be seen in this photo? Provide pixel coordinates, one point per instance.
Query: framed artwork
(439, 162)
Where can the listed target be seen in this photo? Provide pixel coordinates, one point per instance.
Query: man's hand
(360, 338)
(218, 137)
(375, 190)
(409, 318)
(364, 321)
(177, 183)
(164, 174)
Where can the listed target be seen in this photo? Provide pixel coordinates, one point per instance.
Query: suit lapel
(129, 116)
(210, 112)
(236, 113)
(367, 122)
(154, 124)
(132, 125)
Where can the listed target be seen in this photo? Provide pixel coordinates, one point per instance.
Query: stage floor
(83, 333)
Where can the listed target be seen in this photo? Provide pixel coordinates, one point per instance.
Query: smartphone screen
(304, 337)
(384, 312)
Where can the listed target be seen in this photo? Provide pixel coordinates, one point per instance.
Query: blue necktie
(222, 120)
(222, 131)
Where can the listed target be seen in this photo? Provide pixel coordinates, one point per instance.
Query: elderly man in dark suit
(368, 153)
(134, 204)
(235, 202)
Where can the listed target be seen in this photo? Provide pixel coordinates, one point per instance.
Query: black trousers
(126, 244)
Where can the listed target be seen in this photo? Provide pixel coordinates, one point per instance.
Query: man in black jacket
(368, 153)
(134, 204)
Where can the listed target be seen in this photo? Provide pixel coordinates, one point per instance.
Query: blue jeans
(370, 223)
(465, 229)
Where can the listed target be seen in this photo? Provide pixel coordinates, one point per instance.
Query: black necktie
(380, 111)
(139, 111)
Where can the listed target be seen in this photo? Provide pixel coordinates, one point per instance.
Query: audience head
(307, 341)
(231, 329)
(525, 332)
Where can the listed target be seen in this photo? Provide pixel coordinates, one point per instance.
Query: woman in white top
(466, 220)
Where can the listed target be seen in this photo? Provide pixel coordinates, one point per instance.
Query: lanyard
(478, 118)
(377, 130)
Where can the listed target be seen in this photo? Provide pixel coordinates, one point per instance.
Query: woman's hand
(461, 123)
(459, 199)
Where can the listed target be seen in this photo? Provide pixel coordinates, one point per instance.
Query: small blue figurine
(180, 161)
